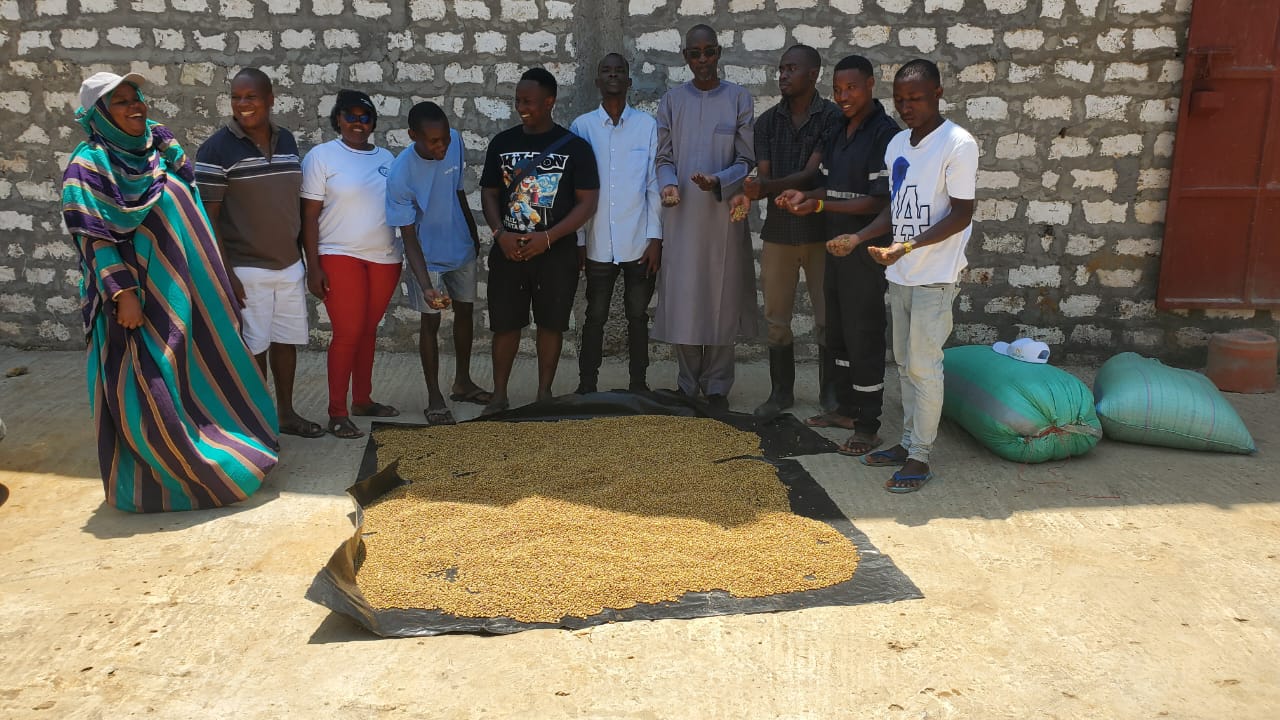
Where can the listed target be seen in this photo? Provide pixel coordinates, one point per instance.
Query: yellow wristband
(821, 204)
(907, 247)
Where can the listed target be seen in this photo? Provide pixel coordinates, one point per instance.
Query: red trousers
(359, 291)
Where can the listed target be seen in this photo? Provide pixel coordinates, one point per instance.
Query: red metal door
(1222, 227)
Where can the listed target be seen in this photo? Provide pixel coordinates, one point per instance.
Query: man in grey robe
(706, 291)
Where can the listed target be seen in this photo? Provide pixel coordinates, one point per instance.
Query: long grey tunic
(707, 286)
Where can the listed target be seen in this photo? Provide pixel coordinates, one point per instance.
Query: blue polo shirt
(424, 193)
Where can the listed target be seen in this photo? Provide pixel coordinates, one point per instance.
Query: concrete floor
(1131, 583)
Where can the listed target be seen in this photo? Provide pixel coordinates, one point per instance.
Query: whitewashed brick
(471, 10)
(1080, 305)
(818, 37)
(509, 74)
(1105, 211)
(62, 305)
(745, 75)
(341, 38)
(741, 6)
(283, 7)
(298, 39)
(1070, 146)
(793, 4)
(988, 210)
(1153, 179)
(365, 72)
(1125, 71)
(29, 40)
(697, 7)
(1017, 145)
(997, 179)
(1007, 305)
(1074, 70)
(1091, 335)
(1135, 309)
(490, 42)
(934, 5)
(1171, 71)
(210, 42)
(1007, 244)
(1035, 276)
(1006, 7)
(38, 276)
(456, 73)
(426, 9)
(1106, 107)
(1121, 145)
(1104, 179)
(1122, 278)
(923, 39)
(1149, 211)
(15, 101)
(1136, 7)
(963, 36)
(13, 220)
(1159, 111)
(663, 40)
(371, 8)
(1113, 41)
(978, 73)
(1141, 247)
(1083, 245)
(152, 6)
(1052, 8)
(987, 108)
(848, 7)
(644, 7)
(1047, 108)
(1154, 38)
(771, 38)
(1163, 146)
(443, 42)
(1024, 73)
(1024, 39)
(541, 41)
(14, 303)
(493, 108)
(870, 36)
(251, 40)
(78, 39)
(895, 6)
(51, 7)
(130, 37)
(33, 135)
(1054, 212)
(1049, 180)
(325, 74)
(1087, 8)
(167, 39)
(975, 333)
(519, 10)
(237, 8)
(197, 74)
(94, 6)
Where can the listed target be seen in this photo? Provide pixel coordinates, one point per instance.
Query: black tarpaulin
(877, 579)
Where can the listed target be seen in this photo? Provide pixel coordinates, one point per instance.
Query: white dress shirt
(628, 213)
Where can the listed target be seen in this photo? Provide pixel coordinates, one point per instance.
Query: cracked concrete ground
(1134, 582)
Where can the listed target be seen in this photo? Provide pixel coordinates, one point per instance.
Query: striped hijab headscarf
(114, 179)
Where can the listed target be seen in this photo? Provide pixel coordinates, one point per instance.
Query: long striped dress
(184, 417)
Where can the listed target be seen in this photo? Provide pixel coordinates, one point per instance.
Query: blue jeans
(637, 291)
(921, 324)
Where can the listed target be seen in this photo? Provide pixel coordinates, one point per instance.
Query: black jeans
(637, 291)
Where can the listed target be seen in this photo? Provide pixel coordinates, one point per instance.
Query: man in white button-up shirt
(625, 235)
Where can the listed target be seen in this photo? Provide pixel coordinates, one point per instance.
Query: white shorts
(459, 284)
(275, 306)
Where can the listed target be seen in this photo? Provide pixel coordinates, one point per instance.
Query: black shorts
(546, 283)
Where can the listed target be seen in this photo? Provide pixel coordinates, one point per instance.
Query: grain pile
(538, 521)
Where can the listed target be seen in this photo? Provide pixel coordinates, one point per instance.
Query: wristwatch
(907, 247)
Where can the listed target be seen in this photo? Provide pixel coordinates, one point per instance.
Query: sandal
(475, 396)
(440, 416)
(859, 444)
(886, 458)
(374, 410)
(302, 428)
(900, 483)
(493, 408)
(343, 427)
(830, 419)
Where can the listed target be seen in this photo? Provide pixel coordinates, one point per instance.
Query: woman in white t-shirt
(353, 256)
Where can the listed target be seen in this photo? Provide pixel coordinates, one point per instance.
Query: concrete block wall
(1073, 102)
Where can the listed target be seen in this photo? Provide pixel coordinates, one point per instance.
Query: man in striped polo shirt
(249, 177)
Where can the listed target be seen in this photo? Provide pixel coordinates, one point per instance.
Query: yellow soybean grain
(539, 521)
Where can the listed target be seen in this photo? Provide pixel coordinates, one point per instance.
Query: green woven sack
(1025, 412)
(1142, 400)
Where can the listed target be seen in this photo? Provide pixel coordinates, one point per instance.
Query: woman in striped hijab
(183, 414)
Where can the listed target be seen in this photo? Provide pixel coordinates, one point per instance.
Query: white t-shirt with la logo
(922, 179)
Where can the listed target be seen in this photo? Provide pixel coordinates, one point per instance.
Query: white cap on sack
(101, 84)
(1024, 349)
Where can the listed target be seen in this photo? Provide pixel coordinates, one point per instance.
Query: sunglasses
(699, 53)
(363, 118)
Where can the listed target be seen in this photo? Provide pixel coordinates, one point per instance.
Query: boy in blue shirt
(425, 200)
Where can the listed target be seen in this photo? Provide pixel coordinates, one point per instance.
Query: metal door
(1222, 226)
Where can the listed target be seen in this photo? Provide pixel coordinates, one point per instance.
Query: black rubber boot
(782, 377)
(828, 395)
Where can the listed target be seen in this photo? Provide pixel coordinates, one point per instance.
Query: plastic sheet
(877, 579)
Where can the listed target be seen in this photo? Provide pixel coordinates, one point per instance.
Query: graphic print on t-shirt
(532, 198)
(910, 216)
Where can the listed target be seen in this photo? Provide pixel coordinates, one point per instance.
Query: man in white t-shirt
(933, 174)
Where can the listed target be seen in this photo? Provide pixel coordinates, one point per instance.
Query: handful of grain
(539, 521)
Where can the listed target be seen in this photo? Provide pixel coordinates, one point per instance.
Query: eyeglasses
(699, 53)
(363, 118)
